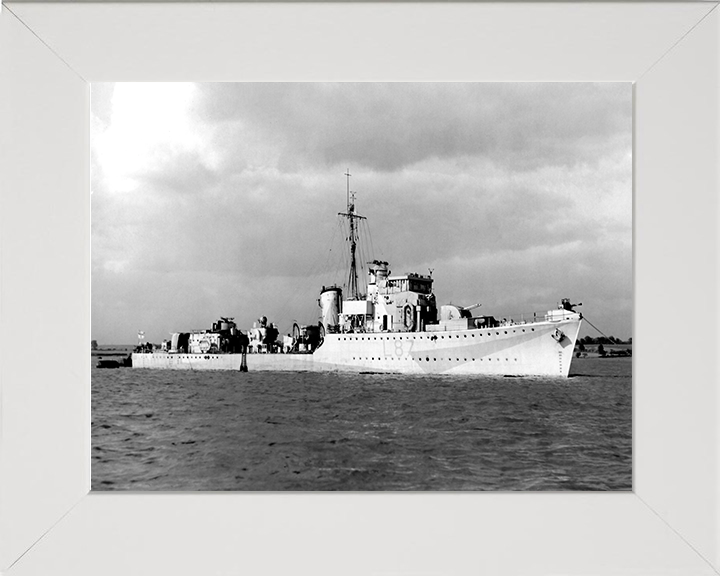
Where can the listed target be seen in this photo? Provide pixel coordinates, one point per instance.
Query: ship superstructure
(394, 326)
(394, 303)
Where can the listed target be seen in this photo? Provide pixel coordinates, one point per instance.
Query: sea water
(186, 431)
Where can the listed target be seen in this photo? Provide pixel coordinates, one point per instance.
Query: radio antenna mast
(352, 239)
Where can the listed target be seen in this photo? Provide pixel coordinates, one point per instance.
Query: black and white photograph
(361, 286)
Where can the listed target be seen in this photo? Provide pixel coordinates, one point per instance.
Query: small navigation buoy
(243, 362)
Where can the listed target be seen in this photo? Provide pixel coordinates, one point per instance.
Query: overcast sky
(214, 200)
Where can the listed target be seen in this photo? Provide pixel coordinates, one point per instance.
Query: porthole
(505, 331)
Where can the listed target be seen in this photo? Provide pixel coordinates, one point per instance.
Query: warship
(394, 327)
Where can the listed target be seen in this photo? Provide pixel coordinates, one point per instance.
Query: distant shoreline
(113, 350)
(611, 351)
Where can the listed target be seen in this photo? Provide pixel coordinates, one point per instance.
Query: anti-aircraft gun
(566, 305)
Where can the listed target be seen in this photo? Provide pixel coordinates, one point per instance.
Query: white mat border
(667, 49)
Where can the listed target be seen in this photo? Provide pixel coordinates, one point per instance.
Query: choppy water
(182, 430)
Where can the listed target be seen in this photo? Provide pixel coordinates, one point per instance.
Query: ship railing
(522, 318)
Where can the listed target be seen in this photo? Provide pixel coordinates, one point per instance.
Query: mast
(352, 239)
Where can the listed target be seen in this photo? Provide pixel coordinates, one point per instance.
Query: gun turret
(566, 305)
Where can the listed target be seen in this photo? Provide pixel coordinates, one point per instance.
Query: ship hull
(535, 349)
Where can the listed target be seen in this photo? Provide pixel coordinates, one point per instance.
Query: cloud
(223, 198)
(386, 127)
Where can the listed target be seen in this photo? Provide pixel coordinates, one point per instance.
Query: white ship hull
(530, 349)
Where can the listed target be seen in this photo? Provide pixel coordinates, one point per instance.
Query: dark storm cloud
(390, 126)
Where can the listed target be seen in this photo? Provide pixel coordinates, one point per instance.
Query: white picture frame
(50, 523)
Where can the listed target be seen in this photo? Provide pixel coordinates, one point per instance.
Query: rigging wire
(596, 328)
(319, 265)
(326, 266)
(344, 258)
(336, 261)
(372, 246)
(363, 264)
(330, 265)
